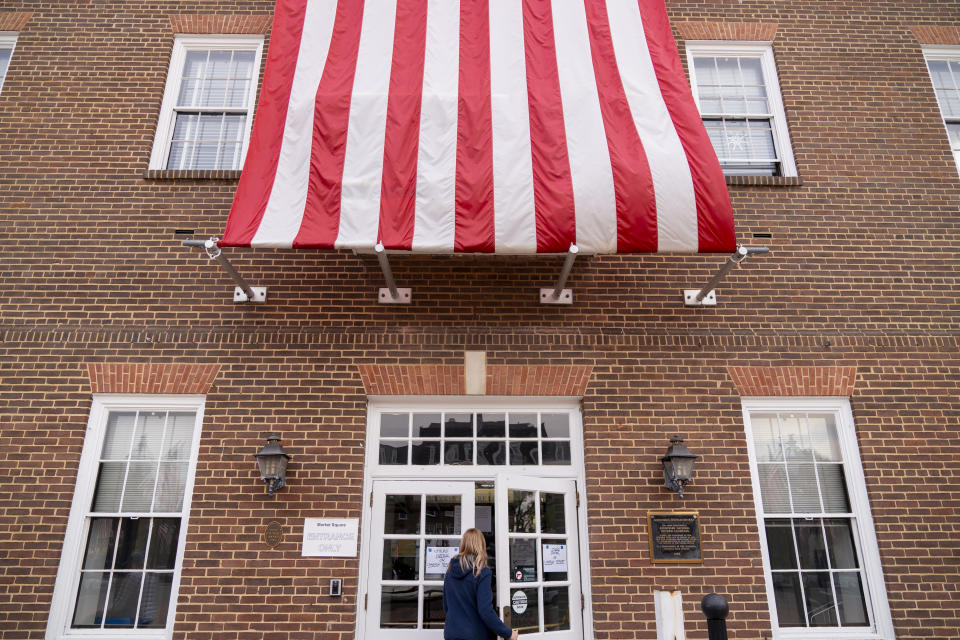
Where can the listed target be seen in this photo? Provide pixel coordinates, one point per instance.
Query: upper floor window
(944, 66)
(737, 91)
(819, 547)
(208, 103)
(120, 565)
(8, 41)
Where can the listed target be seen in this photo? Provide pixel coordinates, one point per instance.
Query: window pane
(786, 593)
(752, 71)
(552, 512)
(821, 611)
(706, 70)
(459, 425)
(122, 602)
(100, 540)
(163, 543)
(728, 71)
(834, 488)
(803, 488)
(398, 607)
(242, 64)
(555, 425)
(132, 543)
(491, 425)
(237, 91)
(794, 437)
(949, 100)
(523, 425)
(761, 140)
(780, 547)
(218, 65)
(524, 453)
(394, 425)
(194, 63)
(171, 483)
(106, 499)
(491, 452)
(773, 488)
(427, 452)
(523, 560)
(458, 453)
(4, 62)
(401, 560)
(443, 516)
(116, 442)
(766, 437)
(940, 74)
(155, 602)
(148, 436)
(90, 599)
(810, 544)
(179, 438)
(525, 614)
(189, 95)
(843, 553)
(851, 600)
(823, 437)
(953, 130)
(433, 616)
(402, 514)
(393, 452)
(556, 608)
(138, 490)
(556, 452)
(426, 425)
(179, 154)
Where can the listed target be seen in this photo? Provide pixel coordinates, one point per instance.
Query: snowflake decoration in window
(737, 141)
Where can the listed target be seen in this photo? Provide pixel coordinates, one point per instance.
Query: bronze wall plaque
(273, 534)
(674, 537)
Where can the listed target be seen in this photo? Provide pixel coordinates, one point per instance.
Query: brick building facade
(855, 306)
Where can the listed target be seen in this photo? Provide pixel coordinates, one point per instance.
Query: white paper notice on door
(554, 558)
(330, 537)
(439, 557)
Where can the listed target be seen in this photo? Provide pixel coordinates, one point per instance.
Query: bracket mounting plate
(690, 298)
(546, 296)
(259, 295)
(403, 296)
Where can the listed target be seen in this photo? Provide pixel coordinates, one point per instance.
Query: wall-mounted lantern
(677, 465)
(272, 461)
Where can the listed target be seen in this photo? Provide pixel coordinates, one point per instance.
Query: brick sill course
(194, 174)
(764, 181)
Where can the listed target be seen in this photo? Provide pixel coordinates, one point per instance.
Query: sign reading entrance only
(330, 537)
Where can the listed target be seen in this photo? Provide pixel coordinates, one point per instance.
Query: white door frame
(372, 471)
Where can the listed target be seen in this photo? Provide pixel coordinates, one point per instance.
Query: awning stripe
(552, 185)
(474, 182)
(514, 126)
(437, 153)
(398, 191)
(713, 232)
(284, 59)
(331, 109)
(513, 206)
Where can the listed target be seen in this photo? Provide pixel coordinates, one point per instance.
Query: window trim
(71, 557)
(874, 585)
(751, 49)
(8, 39)
(181, 45)
(948, 53)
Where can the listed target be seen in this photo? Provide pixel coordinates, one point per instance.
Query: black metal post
(716, 609)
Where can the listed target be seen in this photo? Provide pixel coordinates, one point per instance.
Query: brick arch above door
(499, 380)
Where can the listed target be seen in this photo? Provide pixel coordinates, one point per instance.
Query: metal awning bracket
(243, 292)
(390, 294)
(557, 294)
(707, 296)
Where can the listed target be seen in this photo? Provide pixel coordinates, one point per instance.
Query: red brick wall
(862, 276)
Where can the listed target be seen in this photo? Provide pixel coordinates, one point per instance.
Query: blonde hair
(473, 544)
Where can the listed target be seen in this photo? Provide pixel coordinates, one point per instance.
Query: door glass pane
(555, 425)
(786, 592)
(821, 611)
(90, 599)
(443, 516)
(555, 557)
(780, 544)
(491, 452)
(458, 425)
(810, 544)
(100, 541)
(556, 608)
(155, 601)
(394, 425)
(850, 598)
(400, 560)
(523, 560)
(393, 451)
(523, 425)
(426, 425)
(556, 452)
(552, 512)
(398, 607)
(401, 514)
(524, 610)
(433, 616)
(426, 452)
(843, 554)
(524, 453)
(444, 547)
(458, 453)
(491, 425)
(122, 602)
(521, 514)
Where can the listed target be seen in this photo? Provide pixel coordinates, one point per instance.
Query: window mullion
(803, 591)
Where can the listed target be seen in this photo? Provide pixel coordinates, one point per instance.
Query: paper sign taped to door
(554, 558)
(439, 557)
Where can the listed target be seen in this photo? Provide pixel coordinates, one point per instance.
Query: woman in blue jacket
(467, 595)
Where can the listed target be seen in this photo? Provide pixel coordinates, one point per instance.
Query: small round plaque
(273, 534)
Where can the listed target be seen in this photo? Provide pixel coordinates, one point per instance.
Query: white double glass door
(530, 525)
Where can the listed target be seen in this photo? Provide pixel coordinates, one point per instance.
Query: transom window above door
(482, 438)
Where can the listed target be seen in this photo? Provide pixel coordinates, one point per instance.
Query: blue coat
(468, 604)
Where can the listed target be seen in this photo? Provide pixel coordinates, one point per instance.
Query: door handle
(505, 614)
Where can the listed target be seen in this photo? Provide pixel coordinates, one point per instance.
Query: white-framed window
(943, 63)
(120, 565)
(208, 103)
(820, 557)
(737, 90)
(8, 41)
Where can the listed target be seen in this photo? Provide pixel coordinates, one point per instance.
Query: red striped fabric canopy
(488, 126)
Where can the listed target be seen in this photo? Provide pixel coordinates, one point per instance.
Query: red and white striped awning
(490, 126)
